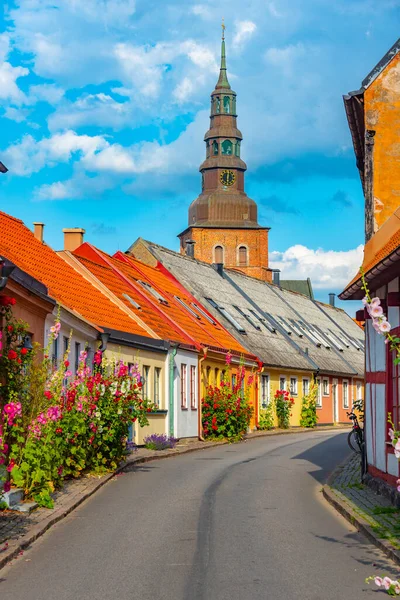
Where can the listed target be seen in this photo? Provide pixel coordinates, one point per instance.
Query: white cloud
(326, 268)
(9, 89)
(16, 114)
(287, 57)
(47, 92)
(203, 11)
(244, 30)
(91, 109)
(54, 191)
(274, 11)
(184, 90)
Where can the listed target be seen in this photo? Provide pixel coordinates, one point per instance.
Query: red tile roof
(19, 245)
(170, 320)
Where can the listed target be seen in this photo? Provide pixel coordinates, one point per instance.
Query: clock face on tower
(227, 177)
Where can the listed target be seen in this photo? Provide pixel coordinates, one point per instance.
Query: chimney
(332, 299)
(219, 267)
(73, 238)
(189, 248)
(38, 229)
(276, 276)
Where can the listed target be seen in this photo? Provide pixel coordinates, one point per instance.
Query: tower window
(219, 254)
(227, 105)
(242, 256)
(218, 104)
(207, 149)
(226, 147)
(215, 147)
(237, 149)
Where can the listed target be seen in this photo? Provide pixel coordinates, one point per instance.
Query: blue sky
(104, 105)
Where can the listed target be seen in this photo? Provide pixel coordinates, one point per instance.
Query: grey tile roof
(258, 299)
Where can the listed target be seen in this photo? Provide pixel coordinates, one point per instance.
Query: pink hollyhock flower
(228, 358)
(79, 407)
(375, 302)
(376, 311)
(391, 433)
(384, 327)
(397, 449)
(365, 301)
(386, 582)
(378, 581)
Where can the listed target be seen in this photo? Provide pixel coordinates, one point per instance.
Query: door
(335, 401)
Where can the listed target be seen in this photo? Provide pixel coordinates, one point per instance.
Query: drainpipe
(257, 395)
(174, 350)
(200, 420)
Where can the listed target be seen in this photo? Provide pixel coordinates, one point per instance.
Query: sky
(104, 105)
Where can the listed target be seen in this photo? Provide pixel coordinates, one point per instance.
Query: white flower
(119, 411)
(378, 581)
(97, 414)
(387, 582)
(375, 302)
(391, 433)
(100, 428)
(102, 389)
(365, 301)
(113, 388)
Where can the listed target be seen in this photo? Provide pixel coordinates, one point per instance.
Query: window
(233, 381)
(77, 353)
(227, 315)
(319, 394)
(182, 303)
(183, 386)
(208, 375)
(54, 357)
(65, 344)
(227, 105)
(216, 376)
(152, 291)
(134, 304)
(264, 391)
(345, 385)
(359, 390)
(222, 376)
(215, 147)
(193, 387)
(264, 321)
(293, 386)
(247, 317)
(237, 149)
(219, 255)
(227, 147)
(306, 387)
(242, 256)
(282, 382)
(157, 374)
(208, 149)
(325, 387)
(218, 103)
(393, 392)
(145, 382)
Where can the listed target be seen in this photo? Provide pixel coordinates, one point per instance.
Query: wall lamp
(6, 271)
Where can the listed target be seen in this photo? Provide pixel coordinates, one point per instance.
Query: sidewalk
(370, 513)
(18, 530)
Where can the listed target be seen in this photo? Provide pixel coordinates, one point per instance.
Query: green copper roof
(223, 78)
(301, 286)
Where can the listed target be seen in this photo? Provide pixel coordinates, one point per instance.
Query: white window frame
(285, 379)
(265, 401)
(183, 386)
(359, 390)
(192, 385)
(319, 394)
(325, 380)
(308, 386)
(295, 392)
(345, 381)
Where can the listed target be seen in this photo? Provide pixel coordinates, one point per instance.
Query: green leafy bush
(309, 416)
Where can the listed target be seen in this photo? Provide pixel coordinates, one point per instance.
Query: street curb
(39, 529)
(355, 519)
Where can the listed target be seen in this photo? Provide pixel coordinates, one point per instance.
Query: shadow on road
(321, 454)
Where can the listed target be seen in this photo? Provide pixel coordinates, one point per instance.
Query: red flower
(66, 363)
(10, 328)
(59, 430)
(12, 355)
(24, 351)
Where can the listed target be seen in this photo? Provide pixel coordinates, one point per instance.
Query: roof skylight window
(203, 312)
(296, 328)
(182, 303)
(152, 291)
(135, 304)
(264, 321)
(227, 315)
(285, 325)
(248, 318)
(335, 341)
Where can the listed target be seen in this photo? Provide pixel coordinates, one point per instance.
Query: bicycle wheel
(353, 442)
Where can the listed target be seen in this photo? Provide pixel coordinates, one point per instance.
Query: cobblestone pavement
(376, 510)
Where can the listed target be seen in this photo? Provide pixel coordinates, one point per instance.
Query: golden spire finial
(223, 28)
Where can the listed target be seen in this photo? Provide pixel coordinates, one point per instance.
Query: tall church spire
(223, 79)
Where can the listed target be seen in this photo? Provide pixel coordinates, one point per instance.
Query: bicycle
(356, 441)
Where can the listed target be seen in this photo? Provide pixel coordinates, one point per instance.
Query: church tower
(223, 226)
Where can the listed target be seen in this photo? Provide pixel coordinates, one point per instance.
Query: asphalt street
(238, 522)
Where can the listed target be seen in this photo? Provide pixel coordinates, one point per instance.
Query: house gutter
(171, 390)
(200, 412)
